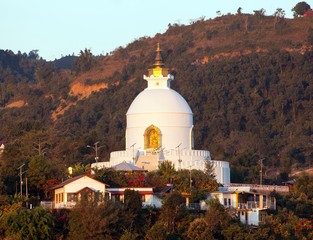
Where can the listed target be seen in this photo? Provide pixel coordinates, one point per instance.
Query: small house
(250, 206)
(69, 192)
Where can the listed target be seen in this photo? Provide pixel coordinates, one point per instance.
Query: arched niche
(152, 137)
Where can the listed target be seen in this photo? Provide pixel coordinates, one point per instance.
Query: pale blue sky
(62, 27)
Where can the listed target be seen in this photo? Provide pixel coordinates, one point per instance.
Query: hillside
(247, 78)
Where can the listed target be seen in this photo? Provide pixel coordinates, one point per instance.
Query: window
(225, 201)
(59, 197)
(107, 196)
(71, 197)
(229, 202)
(262, 216)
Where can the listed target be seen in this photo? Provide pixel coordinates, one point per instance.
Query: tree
(157, 232)
(279, 13)
(172, 209)
(85, 61)
(33, 54)
(300, 9)
(135, 179)
(2, 187)
(304, 185)
(246, 168)
(38, 172)
(167, 168)
(129, 235)
(209, 169)
(310, 36)
(198, 230)
(154, 178)
(80, 169)
(286, 225)
(29, 224)
(132, 201)
(217, 218)
(239, 11)
(259, 13)
(279, 16)
(133, 211)
(91, 219)
(47, 186)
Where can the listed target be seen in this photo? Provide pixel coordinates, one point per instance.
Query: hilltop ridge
(247, 78)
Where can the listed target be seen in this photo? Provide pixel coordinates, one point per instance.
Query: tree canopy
(300, 8)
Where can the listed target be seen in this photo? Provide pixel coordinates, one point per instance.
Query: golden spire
(158, 68)
(158, 58)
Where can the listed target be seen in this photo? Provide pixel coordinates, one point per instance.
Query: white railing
(183, 153)
(193, 206)
(123, 153)
(64, 205)
(264, 188)
(46, 204)
(188, 152)
(256, 204)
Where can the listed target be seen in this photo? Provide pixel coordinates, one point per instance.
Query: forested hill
(247, 78)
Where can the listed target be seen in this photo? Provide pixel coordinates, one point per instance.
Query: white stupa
(160, 127)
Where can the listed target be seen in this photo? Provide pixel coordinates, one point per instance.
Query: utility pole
(20, 168)
(26, 193)
(190, 180)
(261, 170)
(26, 185)
(96, 148)
(179, 160)
(133, 146)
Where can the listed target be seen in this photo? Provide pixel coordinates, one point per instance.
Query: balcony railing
(256, 204)
(262, 188)
(52, 205)
(46, 204)
(193, 206)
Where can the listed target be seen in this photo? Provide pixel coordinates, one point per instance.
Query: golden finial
(158, 58)
(158, 68)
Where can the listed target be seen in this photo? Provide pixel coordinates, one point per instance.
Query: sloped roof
(68, 181)
(140, 190)
(124, 166)
(167, 189)
(86, 188)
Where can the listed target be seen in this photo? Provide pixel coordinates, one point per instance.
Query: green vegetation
(250, 95)
(21, 223)
(300, 9)
(84, 62)
(97, 218)
(248, 80)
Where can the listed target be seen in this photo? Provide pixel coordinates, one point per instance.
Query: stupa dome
(163, 100)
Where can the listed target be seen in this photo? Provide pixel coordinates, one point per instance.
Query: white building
(68, 193)
(160, 127)
(250, 206)
(148, 198)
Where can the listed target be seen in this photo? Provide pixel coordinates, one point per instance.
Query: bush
(26, 224)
